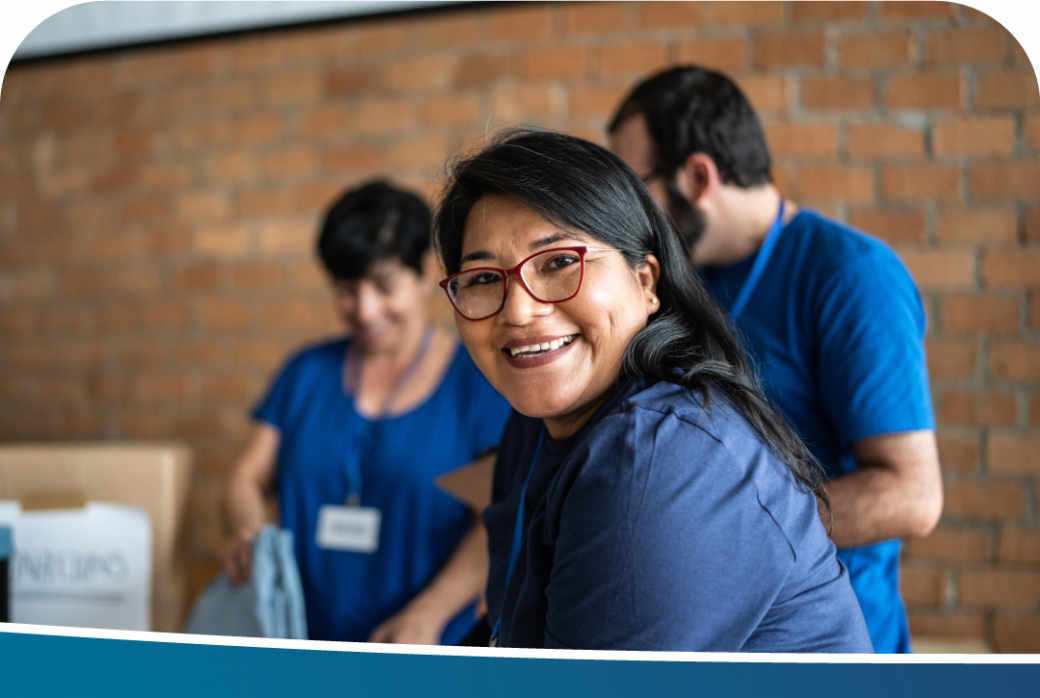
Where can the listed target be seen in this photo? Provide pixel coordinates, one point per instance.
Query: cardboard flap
(471, 483)
(53, 499)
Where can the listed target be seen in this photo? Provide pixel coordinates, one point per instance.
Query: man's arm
(896, 493)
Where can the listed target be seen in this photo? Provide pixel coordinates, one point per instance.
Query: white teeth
(543, 347)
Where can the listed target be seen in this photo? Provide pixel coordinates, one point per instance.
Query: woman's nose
(520, 306)
(369, 304)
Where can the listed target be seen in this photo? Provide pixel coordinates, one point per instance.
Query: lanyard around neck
(761, 261)
(518, 530)
(354, 465)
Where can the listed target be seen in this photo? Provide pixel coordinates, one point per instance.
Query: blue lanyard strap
(518, 528)
(761, 261)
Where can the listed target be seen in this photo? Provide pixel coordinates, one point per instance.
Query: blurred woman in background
(353, 432)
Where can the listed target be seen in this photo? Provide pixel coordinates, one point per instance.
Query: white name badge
(354, 529)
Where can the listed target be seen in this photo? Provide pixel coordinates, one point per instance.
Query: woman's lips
(529, 352)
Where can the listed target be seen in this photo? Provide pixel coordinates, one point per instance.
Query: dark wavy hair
(575, 184)
(374, 223)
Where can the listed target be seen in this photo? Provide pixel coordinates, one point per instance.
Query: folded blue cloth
(269, 605)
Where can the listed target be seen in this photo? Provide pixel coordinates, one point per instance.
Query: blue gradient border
(37, 664)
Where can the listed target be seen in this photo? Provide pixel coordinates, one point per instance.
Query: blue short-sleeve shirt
(836, 326)
(348, 594)
(660, 525)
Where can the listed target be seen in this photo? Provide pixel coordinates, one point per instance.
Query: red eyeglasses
(552, 276)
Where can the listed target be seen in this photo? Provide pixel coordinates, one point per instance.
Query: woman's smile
(532, 352)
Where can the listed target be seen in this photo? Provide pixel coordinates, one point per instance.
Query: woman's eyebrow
(478, 256)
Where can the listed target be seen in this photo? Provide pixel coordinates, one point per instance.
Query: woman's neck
(400, 353)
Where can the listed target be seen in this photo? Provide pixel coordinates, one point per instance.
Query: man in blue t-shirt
(832, 317)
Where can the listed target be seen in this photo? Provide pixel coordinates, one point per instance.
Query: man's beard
(687, 218)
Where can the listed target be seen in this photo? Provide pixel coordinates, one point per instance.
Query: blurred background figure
(831, 315)
(352, 433)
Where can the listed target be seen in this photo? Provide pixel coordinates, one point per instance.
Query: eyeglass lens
(552, 276)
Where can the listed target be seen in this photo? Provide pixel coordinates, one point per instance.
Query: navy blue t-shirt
(348, 594)
(662, 526)
(836, 325)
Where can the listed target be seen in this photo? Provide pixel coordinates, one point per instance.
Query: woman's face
(382, 307)
(564, 385)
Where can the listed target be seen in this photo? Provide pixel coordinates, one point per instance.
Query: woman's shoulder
(322, 354)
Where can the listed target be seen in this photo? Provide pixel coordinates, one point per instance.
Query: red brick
(875, 49)
(947, 544)
(260, 52)
(891, 226)
(1005, 179)
(920, 182)
(1034, 302)
(152, 387)
(1011, 269)
(291, 88)
(1014, 361)
(1016, 632)
(924, 585)
(941, 91)
(940, 269)
(1019, 545)
(999, 588)
(142, 424)
(980, 314)
(1032, 227)
(256, 128)
(994, 136)
(222, 240)
(987, 409)
(959, 624)
(666, 15)
(1031, 131)
(350, 81)
(633, 58)
(170, 315)
(787, 50)
(451, 30)
(917, 10)
(513, 103)
(802, 139)
(478, 70)
(423, 73)
(1013, 453)
(596, 101)
(554, 62)
(292, 162)
(958, 452)
(855, 183)
(324, 121)
(390, 36)
(747, 12)
(951, 359)
(354, 157)
(847, 10)
(583, 17)
(1007, 89)
(838, 93)
(204, 352)
(256, 276)
(421, 151)
(220, 315)
(524, 22)
(287, 236)
(452, 109)
(986, 45)
(230, 167)
(766, 94)
(728, 54)
(984, 500)
(384, 115)
(232, 388)
(884, 140)
(322, 44)
(985, 225)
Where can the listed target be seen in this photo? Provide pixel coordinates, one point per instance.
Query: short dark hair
(374, 223)
(689, 110)
(578, 185)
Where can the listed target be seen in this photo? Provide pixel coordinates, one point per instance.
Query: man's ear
(698, 178)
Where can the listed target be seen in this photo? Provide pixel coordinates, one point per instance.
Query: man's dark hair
(374, 223)
(693, 110)
(577, 185)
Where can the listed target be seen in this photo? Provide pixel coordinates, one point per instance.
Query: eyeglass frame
(582, 250)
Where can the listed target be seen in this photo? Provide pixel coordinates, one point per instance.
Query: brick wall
(157, 210)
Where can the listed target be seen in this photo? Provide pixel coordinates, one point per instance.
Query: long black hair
(573, 183)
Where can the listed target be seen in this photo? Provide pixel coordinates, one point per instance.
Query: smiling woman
(646, 496)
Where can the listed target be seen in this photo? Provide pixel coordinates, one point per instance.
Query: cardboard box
(152, 476)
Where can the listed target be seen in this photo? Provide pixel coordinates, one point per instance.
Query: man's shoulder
(832, 242)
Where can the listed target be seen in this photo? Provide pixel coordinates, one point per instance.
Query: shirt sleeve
(872, 374)
(653, 548)
(274, 407)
